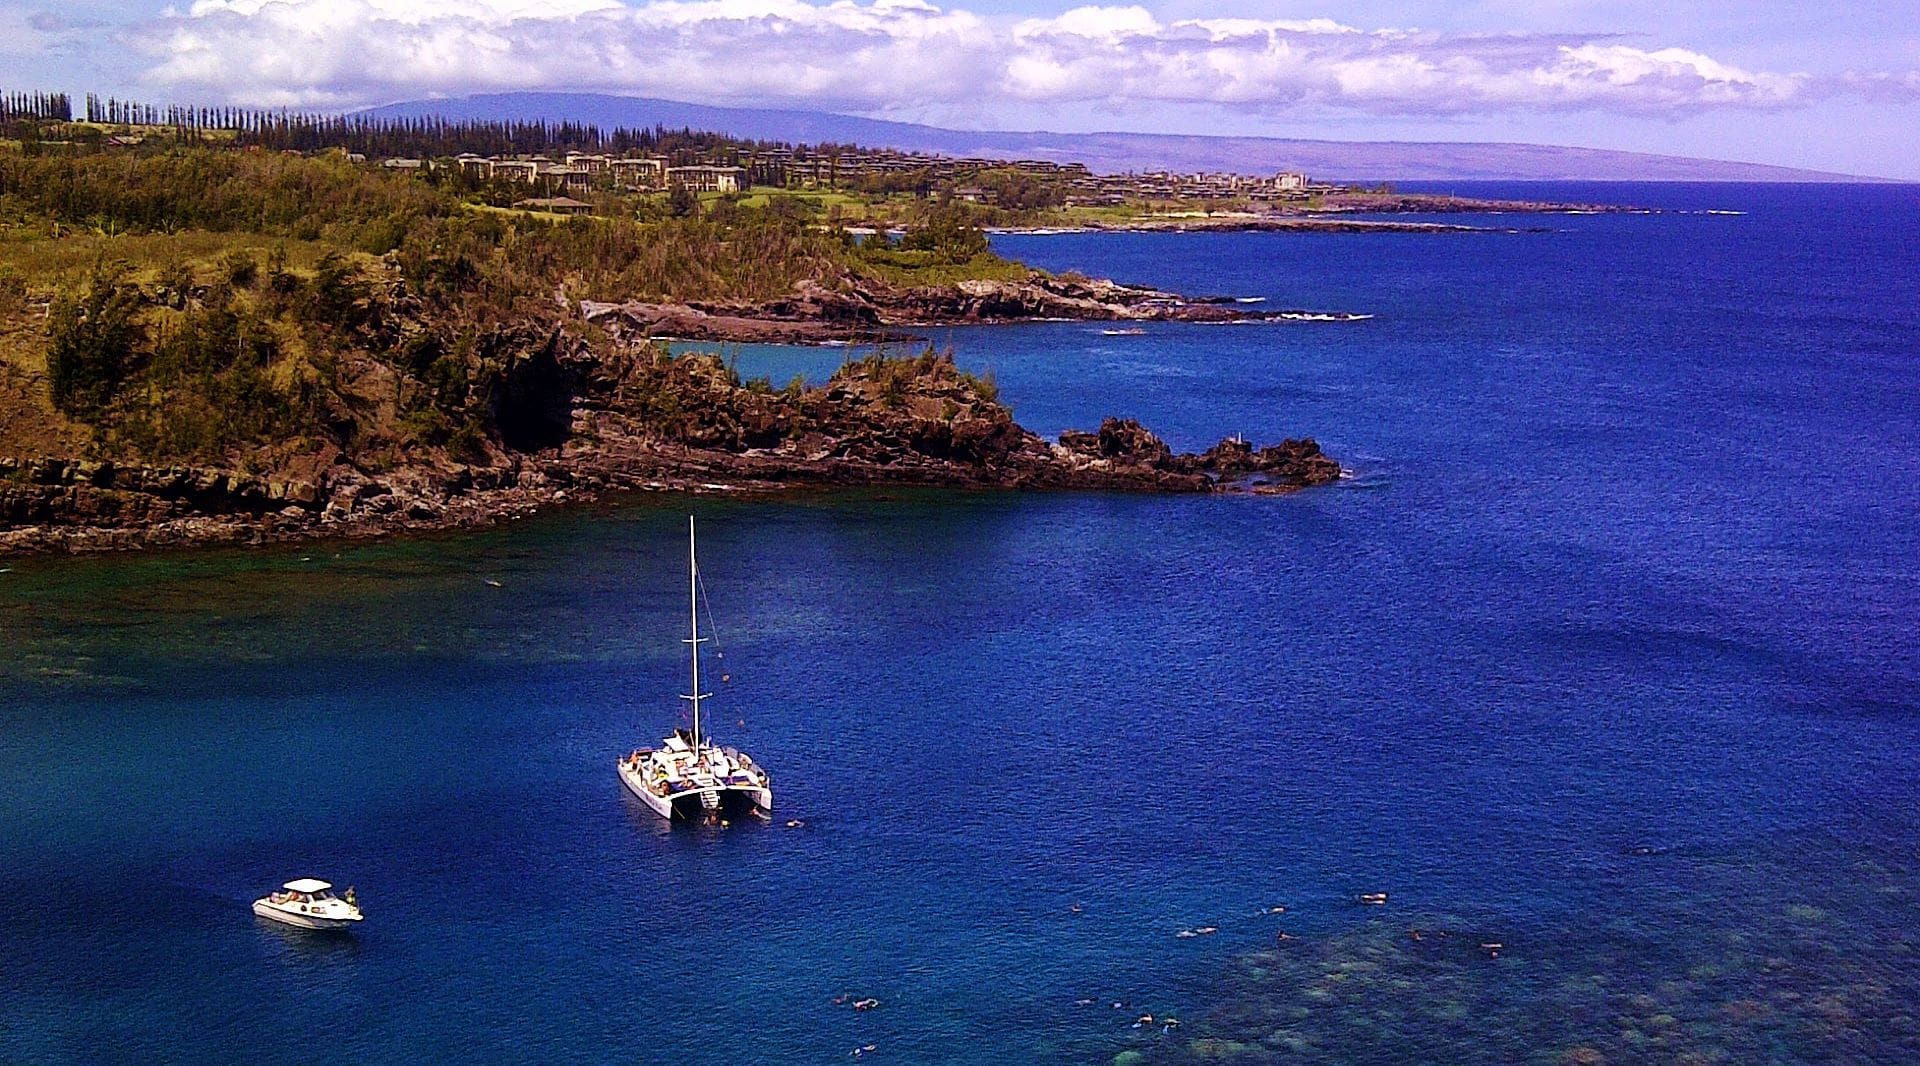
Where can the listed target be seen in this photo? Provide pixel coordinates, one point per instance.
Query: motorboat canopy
(309, 903)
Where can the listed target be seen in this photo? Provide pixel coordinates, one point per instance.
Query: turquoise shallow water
(1604, 652)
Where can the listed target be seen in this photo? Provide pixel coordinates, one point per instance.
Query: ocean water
(1605, 652)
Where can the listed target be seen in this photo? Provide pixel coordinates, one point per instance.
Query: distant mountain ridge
(1120, 152)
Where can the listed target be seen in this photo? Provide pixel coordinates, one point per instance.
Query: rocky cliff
(571, 423)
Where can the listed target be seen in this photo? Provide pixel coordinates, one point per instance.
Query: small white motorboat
(309, 903)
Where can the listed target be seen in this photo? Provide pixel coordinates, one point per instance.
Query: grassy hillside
(276, 312)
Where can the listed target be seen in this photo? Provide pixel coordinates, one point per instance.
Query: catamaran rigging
(689, 776)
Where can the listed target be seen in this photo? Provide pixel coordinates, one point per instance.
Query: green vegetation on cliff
(264, 309)
(726, 251)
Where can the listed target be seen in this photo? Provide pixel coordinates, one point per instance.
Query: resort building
(514, 170)
(703, 178)
(642, 173)
(569, 179)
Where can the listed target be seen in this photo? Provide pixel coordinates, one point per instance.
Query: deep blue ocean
(1605, 652)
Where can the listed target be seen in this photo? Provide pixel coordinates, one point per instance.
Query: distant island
(214, 333)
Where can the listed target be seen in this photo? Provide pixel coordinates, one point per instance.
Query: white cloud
(893, 55)
(1109, 24)
(1886, 86)
(25, 36)
(412, 12)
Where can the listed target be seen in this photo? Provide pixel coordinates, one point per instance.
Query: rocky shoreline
(850, 312)
(1247, 223)
(1423, 203)
(636, 419)
(1334, 215)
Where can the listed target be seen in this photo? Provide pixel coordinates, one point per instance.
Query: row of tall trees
(378, 136)
(22, 116)
(47, 107)
(434, 136)
(129, 113)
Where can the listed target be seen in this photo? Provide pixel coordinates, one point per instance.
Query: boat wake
(1321, 316)
(1369, 477)
(1293, 316)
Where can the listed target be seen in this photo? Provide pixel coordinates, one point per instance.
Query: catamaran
(688, 777)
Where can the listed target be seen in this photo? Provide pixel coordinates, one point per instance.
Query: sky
(1830, 87)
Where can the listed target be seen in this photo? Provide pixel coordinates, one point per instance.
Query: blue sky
(1760, 80)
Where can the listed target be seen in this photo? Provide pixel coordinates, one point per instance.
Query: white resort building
(704, 178)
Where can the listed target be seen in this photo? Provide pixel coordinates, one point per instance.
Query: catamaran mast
(693, 612)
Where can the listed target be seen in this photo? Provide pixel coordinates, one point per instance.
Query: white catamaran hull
(291, 915)
(693, 802)
(660, 804)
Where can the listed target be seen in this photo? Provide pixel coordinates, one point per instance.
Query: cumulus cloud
(879, 55)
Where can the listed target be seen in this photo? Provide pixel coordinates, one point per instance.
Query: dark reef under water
(1832, 978)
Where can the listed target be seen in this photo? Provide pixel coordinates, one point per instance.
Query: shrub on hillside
(95, 342)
